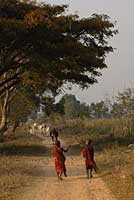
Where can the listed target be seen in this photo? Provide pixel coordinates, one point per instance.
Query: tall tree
(71, 106)
(22, 106)
(43, 47)
(99, 110)
(124, 103)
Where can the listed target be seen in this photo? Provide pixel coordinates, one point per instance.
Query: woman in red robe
(59, 159)
(88, 154)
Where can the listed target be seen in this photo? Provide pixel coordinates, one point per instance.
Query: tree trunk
(3, 123)
(16, 125)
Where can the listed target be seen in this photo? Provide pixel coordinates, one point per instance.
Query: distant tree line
(71, 108)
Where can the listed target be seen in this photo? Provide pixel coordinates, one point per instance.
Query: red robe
(59, 158)
(88, 154)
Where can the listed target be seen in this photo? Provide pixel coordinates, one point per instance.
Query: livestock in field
(39, 128)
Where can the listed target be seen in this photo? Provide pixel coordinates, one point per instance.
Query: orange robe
(59, 158)
(88, 154)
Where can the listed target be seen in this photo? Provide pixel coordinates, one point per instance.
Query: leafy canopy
(44, 47)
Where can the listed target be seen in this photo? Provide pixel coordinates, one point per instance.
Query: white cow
(39, 128)
(32, 128)
(47, 130)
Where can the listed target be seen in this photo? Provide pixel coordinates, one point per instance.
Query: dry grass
(116, 169)
(19, 157)
(104, 132)
(15, 177)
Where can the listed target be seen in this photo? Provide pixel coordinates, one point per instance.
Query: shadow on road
(24, 150)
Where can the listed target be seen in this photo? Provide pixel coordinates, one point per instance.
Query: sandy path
(74, 187)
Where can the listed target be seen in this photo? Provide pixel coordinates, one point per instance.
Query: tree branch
(6, 81)
(10, 86)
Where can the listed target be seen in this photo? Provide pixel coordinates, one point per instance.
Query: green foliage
(71, 108)
(123, 106)
(44, 48)
(22, 106)
(99, 110)
(47, 103)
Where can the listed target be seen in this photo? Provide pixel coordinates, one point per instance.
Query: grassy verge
(117, 170)
(20, 156)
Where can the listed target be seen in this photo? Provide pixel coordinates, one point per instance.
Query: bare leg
(59, 176)
(52, 139)
(91, 176)
(87, 172)
(65, 172)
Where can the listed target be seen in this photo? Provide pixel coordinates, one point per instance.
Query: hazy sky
(120, 74)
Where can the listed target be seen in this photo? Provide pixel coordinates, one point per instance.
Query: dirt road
(74, 187)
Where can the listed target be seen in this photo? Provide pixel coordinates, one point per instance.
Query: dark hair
(57, 143)
(89, 141)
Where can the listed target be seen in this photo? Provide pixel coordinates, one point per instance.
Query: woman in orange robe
(88, 154)
(59, 159)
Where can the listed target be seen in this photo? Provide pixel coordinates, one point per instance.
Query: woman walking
(88, 154)
(59, 159)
